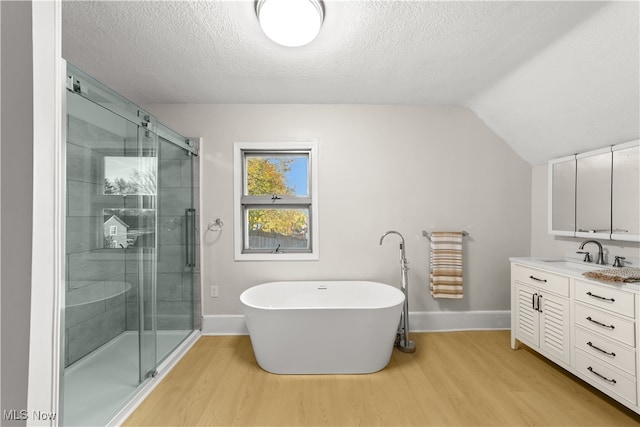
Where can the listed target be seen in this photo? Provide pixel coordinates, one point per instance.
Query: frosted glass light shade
(290, 23)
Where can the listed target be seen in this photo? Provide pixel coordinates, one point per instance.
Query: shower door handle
(190, 237)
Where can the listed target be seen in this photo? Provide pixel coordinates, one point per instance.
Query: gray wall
(16, 170)
(409, 168)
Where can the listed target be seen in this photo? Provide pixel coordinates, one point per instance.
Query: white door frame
(47, 275)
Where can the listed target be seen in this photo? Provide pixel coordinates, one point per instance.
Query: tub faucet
(600, 259)
(403, 258)
(402, 337)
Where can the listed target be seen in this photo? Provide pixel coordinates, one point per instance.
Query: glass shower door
(131, 249)
(111, 255)
(176, 246)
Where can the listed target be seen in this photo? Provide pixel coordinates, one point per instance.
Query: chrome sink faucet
(587, 257)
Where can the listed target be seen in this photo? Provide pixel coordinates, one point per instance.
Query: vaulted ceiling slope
(551, 78)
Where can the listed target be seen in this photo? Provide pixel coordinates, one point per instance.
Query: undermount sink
(573, 265)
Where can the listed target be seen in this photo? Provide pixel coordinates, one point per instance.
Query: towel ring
(217, 223)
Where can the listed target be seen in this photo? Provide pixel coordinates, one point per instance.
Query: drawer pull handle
(601, 376)
(600, 324)
(602, 298)
(538, 280)
(590, 344)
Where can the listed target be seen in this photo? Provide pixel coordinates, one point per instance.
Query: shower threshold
(99, 388)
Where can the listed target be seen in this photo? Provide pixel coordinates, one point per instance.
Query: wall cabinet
(625, 198)
(562, 196)
(593, 194)
(587, 327)
(596, 194)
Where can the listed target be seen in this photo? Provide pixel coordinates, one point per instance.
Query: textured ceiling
(551, 78)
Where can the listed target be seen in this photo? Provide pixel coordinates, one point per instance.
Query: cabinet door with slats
(555, 330)
(527, 318)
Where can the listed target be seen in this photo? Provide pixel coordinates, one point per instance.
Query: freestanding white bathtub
(322, 327)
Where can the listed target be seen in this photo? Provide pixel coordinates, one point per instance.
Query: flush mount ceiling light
(290, 23)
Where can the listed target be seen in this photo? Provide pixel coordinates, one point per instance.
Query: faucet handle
(618, 262)
(587, 255)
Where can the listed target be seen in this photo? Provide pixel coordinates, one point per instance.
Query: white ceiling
(551, 78)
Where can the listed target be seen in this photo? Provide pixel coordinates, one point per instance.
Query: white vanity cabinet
(542, 312)
(588, 327)
(605, 338)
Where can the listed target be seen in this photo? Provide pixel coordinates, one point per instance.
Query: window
(276, 201)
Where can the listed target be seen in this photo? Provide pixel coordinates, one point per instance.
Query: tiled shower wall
(93, 273)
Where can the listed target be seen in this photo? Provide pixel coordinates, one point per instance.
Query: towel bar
(428, 235)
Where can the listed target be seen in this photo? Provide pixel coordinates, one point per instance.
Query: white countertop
(572, 269)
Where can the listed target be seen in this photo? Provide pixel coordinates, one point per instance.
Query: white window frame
(239, 148)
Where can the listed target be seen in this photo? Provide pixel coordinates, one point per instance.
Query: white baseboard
(234, 324)
(442, 321)
(224, 324)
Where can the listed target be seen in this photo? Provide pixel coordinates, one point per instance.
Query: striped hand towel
(446, 264)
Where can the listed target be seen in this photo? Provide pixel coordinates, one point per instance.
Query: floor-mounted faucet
(402, 340)
(587, 257)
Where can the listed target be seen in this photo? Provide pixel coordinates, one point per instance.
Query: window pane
(268, 228)
(281, 174)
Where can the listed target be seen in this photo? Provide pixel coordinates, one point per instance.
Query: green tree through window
(265, 177)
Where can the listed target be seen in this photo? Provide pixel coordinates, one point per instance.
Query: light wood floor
(453, 379)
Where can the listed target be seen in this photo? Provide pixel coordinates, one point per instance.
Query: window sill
(277, 257)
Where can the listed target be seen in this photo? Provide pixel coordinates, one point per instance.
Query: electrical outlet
(214, 291)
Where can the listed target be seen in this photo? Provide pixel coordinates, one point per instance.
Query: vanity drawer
(542, 279)
(606, 377)
(604, 323)
(606, 350)
(618, 301)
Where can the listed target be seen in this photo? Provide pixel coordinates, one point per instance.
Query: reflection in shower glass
(129, 175)
(129, 228)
